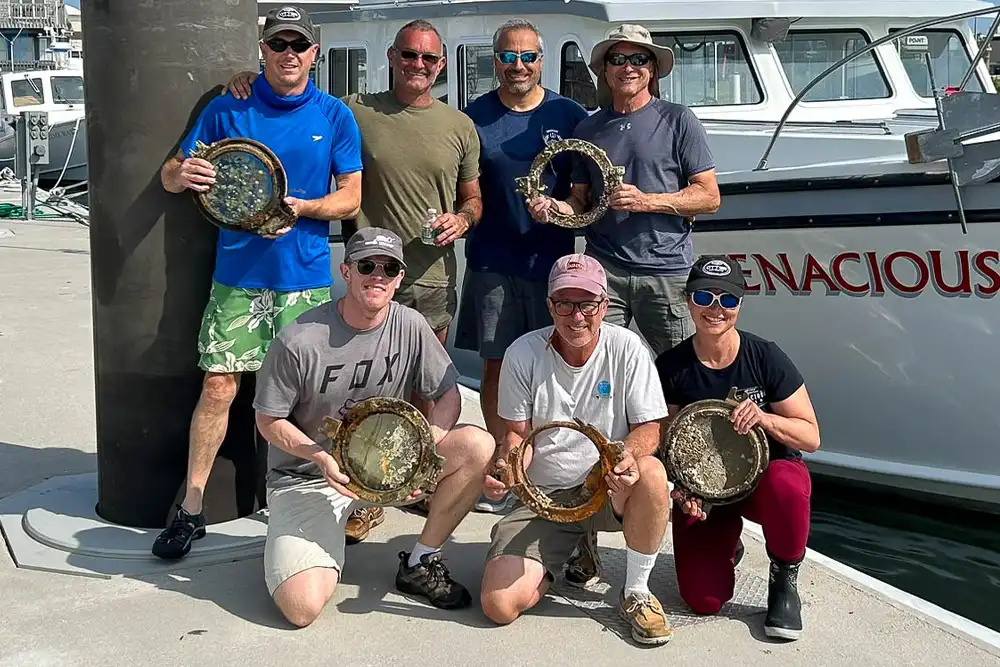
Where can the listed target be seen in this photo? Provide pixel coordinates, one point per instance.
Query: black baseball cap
(291, 18)
(373, 241)
(717, 272)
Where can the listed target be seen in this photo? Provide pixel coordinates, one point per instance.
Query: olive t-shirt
(414, 159)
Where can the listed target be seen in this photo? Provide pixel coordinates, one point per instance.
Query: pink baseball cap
(578, 271)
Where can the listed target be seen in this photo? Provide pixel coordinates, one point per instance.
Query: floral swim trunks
(239, 324)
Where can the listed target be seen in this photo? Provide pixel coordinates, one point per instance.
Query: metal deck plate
(600, 600)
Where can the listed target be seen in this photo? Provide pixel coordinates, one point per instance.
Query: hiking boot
(784, 609)
(430, 579)
(361, 522)
(175, 540)
(644, 613)
(584, 568)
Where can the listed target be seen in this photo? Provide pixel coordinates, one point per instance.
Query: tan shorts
(305, 529)
(523, 533)
(437, 304)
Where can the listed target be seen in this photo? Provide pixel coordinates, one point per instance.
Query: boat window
(476, 61)
(805, 54)
(574, 77)
(440, 89)
(710, 69)
(26, 92)
(67, 89)
(949, 60)
(348, 70)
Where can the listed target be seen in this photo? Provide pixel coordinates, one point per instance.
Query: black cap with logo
(717, 272)
(291, 18)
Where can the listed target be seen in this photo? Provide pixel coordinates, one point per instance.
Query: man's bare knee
(302, 598)
(511, 586)
(469, 447)
(218, 391)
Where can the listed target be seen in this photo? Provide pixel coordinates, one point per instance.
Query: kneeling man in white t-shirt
(602, 374)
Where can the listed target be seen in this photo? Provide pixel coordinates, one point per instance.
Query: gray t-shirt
(661, 146)
(318, 366)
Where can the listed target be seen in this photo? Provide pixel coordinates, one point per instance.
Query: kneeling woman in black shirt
(772, 392)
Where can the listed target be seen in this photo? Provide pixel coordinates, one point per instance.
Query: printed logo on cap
(717, 267)
(289, 14)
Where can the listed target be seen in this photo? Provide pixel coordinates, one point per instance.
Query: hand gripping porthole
(386, 449)
(591, 496)
(249, 190)
(531, 186)
(707, 459)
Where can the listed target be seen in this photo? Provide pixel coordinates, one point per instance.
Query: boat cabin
(735, 59)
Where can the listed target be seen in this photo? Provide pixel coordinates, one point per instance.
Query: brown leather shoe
(361, 522)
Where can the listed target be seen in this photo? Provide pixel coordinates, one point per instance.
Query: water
(947, 556)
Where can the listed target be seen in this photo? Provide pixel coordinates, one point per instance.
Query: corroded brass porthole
(249, 190)
(386, 448)
(531, 186)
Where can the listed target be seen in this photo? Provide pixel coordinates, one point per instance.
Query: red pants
(704, 550)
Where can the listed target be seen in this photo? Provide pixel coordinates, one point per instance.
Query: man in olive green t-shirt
(418, 154)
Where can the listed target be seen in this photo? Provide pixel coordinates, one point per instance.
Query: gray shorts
(657, 303)
(523, 533)
(496, 310)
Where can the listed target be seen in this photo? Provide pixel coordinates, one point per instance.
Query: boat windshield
(67, 89)
(807, 53)
(949, 60)
(26, 92)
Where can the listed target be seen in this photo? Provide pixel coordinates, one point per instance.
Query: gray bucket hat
(631, 33)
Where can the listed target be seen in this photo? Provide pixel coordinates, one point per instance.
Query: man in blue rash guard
(260, 284)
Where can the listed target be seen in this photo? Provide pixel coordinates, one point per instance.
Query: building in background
(35, 35)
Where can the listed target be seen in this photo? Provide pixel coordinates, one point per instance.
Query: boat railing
(959, 114)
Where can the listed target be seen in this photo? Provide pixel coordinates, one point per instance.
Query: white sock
(637, 569)
(418, 551)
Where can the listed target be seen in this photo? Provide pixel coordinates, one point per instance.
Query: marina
(868, 233)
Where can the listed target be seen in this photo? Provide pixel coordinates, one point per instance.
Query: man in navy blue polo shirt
(261, 283)
(509, 255)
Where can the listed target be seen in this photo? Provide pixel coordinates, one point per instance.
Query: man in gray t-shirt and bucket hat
(644, 239)
(331, 358)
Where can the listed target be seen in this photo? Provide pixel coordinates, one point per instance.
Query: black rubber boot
(784, 609)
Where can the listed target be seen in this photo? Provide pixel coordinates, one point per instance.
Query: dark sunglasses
(566, 308)
(637, 59)
(511, 57)
(429, 58)
(279, 45)
(366, 267)
(704, 299)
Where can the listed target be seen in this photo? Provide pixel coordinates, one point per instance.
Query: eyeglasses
(429, 58)
(619, 59)
(279, 45)
(704, 299)
(366, 267)
(567, 308)
(511, 57)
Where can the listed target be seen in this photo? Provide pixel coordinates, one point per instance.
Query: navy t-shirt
(661, 146)
(507, 240)
(316, 138)
(761, 372)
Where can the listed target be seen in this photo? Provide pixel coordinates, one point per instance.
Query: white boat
(861, 268)
(59, 92)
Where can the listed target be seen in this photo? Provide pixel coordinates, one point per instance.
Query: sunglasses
(704, 299)
(567, 308)
(429, 58)
(279, 45)
(637, 59)
(511, 57)
(366, 267)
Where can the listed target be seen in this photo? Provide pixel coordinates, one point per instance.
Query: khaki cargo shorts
(523, 533)
(305, 529)
(437, 304)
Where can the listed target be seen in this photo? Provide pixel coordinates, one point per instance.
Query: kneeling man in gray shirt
(331, 358)
(644, 240)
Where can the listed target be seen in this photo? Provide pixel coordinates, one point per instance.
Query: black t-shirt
(761, 372)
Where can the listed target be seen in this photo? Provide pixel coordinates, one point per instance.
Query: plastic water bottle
(427, 233)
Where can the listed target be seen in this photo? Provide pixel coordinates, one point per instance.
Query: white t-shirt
(618, 385)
